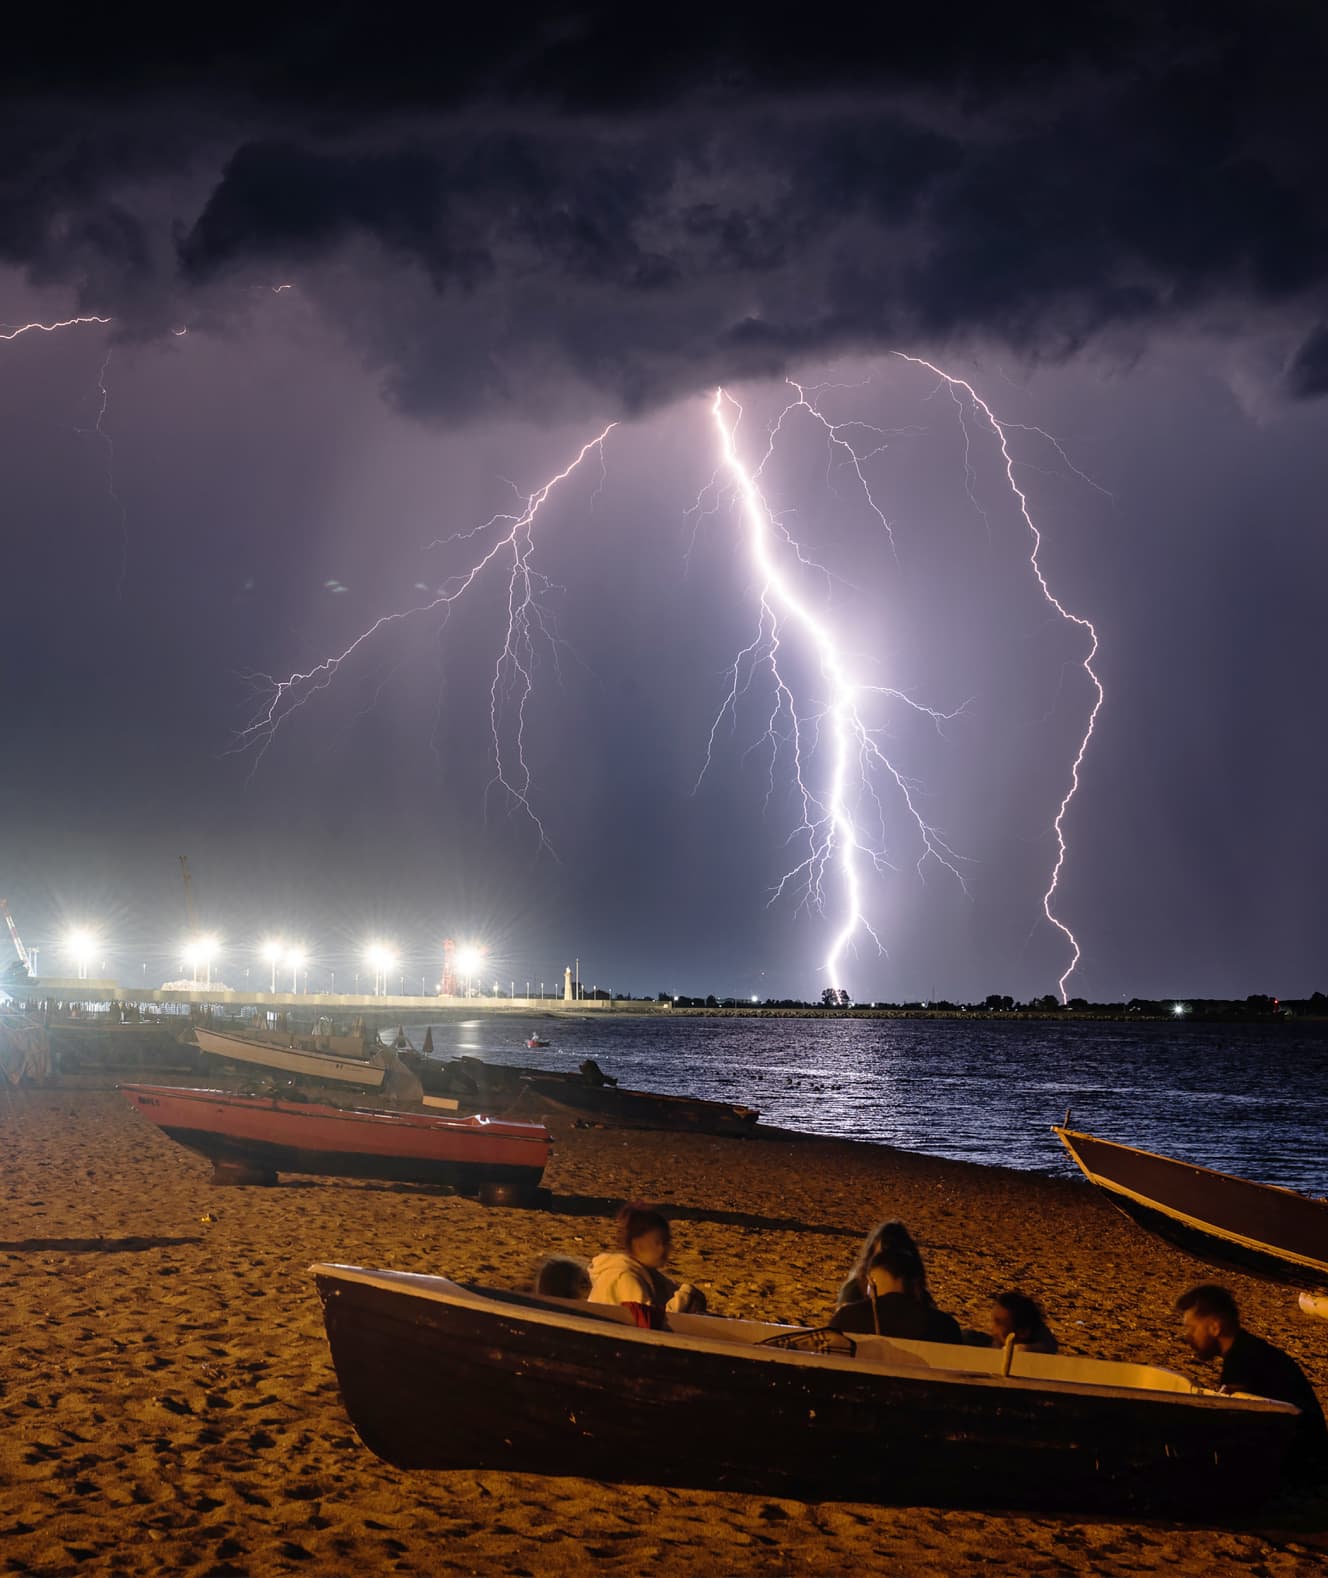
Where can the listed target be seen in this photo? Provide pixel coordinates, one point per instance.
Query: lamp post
(80, 944)
(383, 961)
(273, 949)
(205, 950)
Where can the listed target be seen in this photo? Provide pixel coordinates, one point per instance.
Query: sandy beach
(167, 1402)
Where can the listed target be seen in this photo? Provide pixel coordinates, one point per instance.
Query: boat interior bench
(894, 1352)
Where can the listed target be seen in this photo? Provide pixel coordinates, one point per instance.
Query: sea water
(1250, 1099)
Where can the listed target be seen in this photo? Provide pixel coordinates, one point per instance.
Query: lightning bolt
(11, 331)
(99, 430)
(843, 824)
(505, 537)
(999, 428)
(842, 774)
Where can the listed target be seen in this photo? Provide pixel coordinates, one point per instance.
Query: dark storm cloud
(642, 207)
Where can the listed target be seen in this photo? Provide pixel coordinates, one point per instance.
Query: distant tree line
(1258, 1005)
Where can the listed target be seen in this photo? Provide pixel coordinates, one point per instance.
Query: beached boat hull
(510, 1088)
(1224, 1220)
(253, 1138)
(290, 1060)
(616, 1108)
(436, 1376)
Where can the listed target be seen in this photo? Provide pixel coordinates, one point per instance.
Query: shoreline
(169, 1405)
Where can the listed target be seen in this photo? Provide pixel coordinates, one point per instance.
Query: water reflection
(1248, 1099)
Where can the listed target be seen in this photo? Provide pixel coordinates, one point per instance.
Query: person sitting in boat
(889, 1235)
(892, 1307)
(633, 1275)
(1210, 1323)
(563, 1277)
(1014, 1314)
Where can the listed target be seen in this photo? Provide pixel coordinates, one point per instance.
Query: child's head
(644, 1234)
(1014, 1314)
(561, 1277)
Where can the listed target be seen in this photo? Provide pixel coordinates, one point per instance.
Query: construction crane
(25, 958)
(191, 914)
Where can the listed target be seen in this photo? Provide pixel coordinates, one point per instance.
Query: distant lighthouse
(567, 983)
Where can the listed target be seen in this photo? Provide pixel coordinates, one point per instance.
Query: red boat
(250, 1139)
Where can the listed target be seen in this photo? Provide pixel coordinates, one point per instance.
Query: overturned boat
(435, 1375)
(1259, 1228)
(250, 1139)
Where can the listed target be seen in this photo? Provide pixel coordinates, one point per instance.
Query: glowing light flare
(199, 953)
(295, 961)
(274, 951)
(81, 944)
(382, 960)
(1099, 694)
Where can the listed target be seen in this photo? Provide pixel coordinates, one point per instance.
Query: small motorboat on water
(250, 1139)
(436, 1375)
(534, 1041)
(1274, 1233)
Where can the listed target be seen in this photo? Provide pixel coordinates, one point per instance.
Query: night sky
(1111, 219)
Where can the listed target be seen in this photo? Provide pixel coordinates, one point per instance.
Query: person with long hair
(891, 1235)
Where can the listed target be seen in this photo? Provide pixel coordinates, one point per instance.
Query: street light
(383, 961)
(81, 944)
(273, 951)
(468, 961)
(201, 951)
(295, 959)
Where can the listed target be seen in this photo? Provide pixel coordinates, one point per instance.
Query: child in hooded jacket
(632, 1274)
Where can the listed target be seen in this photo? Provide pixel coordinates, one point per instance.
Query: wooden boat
(337, 1066)
(439, 1376)
(585, 1095)
(534, 1041)
(1274, 1233)
(250, 1139)
(616, 1108)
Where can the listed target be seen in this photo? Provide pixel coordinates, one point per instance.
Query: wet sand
(167, 1403)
